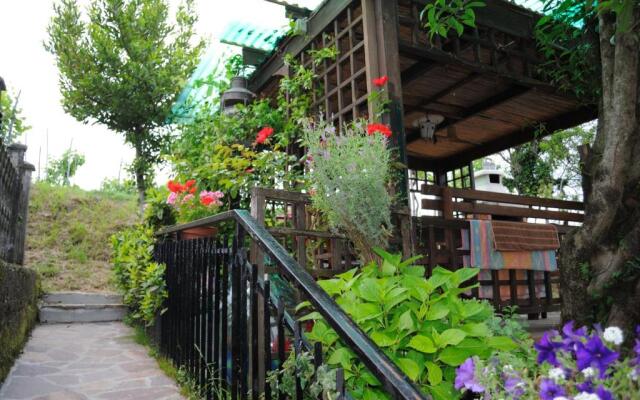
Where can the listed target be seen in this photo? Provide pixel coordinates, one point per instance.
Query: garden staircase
(70, 307)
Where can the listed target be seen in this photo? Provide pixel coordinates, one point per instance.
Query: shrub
(136, 274)
(157, 212)
(349, 172)
(423, 325)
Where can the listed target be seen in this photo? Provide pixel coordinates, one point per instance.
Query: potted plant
(191, 205)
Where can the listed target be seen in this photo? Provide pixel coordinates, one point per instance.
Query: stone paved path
(86, 361)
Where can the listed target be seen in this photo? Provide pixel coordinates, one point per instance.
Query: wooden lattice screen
(341, 94)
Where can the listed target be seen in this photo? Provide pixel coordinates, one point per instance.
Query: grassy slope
(68, 236)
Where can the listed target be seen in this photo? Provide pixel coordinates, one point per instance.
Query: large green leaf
(409, 367)
(454, 356)
(503, 343)
(369, 289)
(437, 310)
(451, 337)
(479, 329)
(332, 286)
(434, 373)
(423, 344)
(341, 356)
(382, 339)
(365, 311)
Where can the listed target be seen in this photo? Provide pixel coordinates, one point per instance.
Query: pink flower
(187, 198)
(211, 198)
(172, 198)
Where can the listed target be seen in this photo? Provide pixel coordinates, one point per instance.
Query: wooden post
(256, 256)
(382, 57)
(21, 210)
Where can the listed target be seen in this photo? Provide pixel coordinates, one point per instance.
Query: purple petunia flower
(586, 386)
(514, 385)
(465, 377)
(549, 390)
(571, 337)
(594, 353)
(603, 393)
(547, 348)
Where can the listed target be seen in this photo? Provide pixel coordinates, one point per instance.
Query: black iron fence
(231, 330)
(15, 178)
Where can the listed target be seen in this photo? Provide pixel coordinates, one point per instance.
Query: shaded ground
(86, 361)
(68, 236)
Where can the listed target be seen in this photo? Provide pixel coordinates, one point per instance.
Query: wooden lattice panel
(340, 94)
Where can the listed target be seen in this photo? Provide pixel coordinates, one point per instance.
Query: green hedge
(19, 292)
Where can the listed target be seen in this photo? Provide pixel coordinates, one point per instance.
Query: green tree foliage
(549, 166)
(13, 123)
(61, 170)
(123, 67)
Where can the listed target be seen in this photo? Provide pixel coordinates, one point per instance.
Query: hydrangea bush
(573, 364)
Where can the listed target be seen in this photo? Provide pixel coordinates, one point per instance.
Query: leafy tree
(600, 268)
(13, 123)
(549, 166)
(60, 171)
(123, 67)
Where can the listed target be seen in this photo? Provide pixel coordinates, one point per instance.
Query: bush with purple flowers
(573, 364)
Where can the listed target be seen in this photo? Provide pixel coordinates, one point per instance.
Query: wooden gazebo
(489, 90)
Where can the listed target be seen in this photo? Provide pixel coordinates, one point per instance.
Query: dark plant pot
(199, 232)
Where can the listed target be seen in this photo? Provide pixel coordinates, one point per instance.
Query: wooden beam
(515, 138)
(488, 104)
(417, 70)
(424, 53)
(444, 92)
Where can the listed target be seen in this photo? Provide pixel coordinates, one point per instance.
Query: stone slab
(81, 313)
(86, 361)
(81, 298)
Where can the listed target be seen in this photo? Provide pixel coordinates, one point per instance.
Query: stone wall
(19, 292)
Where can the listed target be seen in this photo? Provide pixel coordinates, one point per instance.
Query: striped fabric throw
(521, 236)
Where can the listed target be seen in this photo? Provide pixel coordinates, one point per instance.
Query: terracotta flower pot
(198, 232)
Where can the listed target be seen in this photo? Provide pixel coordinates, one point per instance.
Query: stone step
(69, 307)
(81, 298)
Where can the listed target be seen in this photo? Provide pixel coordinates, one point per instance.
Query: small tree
(60, 171)
(124, 67)
(12, 124)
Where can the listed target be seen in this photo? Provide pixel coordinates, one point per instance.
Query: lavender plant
(349, 172)
(573, 364)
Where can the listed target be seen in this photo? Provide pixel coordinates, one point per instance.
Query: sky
(27, 68)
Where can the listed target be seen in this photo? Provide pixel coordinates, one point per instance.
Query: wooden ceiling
(488, 84)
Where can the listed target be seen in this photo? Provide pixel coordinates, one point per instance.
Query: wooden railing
(438, 237)
(288, 217)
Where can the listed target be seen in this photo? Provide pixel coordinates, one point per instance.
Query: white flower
(634, 374)
(561, 398)
(614, 335)
(589, 372)
(586, 396)
(557, 375)
(507, 368)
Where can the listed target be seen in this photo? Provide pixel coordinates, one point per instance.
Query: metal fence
(15, 178)
(229, 328)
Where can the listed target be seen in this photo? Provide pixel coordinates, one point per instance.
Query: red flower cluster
(264, 134)
(382, 128)
(177, 187)
(381, 81)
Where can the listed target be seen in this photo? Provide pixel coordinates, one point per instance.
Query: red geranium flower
(380, 82)
(264, 134)
(176, 187)
(382, 128)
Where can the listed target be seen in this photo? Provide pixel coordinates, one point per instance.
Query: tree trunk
(600, 262)
(139, 170)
